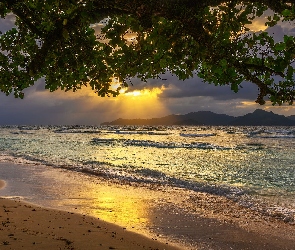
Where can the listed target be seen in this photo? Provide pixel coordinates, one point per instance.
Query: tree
(56, 39)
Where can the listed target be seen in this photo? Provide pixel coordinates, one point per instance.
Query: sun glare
(133, 93)
(144, 94)
(129, 104)
(140, 103)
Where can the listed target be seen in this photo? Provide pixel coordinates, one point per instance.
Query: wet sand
(24, 226)
(163, 214)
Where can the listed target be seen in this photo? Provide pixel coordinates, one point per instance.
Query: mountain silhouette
(262, 118)
(257, 118)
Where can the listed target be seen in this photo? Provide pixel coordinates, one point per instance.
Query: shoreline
(27, 226)
(205, 221)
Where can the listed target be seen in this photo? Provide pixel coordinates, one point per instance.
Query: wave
(149, 177)
(77, 131)
(141, 132)
(272, 134)
(128, 173)
(197, 135)
(253, 146)
(108, 130)
(149, 143)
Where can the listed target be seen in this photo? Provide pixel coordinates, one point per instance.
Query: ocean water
(254, 166)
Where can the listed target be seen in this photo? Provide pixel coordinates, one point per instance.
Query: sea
(253, 166)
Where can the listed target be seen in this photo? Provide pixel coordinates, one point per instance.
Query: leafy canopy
(61, 40)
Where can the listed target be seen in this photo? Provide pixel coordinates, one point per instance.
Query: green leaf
(65, 34)
(210, 40)
(163, 63)
(223, 63)
(290, 72)
(235, 87)
(280, 46)
(286, 13)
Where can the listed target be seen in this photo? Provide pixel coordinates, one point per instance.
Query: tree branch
(263, 89)
(262, 68)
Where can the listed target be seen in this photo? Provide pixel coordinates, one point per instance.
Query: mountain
(262, 118)
(194, 118)
(257, 118)
(208, 118)
(167, 120)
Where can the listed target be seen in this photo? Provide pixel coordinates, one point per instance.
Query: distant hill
(208, 118)
(257, 118)
(194, 118)
(262, 118)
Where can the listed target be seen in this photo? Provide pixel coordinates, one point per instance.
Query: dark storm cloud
(42, 107)
(196, 87)
(34, 112)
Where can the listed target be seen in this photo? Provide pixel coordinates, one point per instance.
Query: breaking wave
(149, 143)
(272, 134)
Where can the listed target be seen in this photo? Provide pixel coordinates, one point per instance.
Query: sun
(143, 94)
(144, 103)
(129, 104)
(134, 93)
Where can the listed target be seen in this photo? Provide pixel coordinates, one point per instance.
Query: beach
(205, 221)
(27, 226)
(24, 226)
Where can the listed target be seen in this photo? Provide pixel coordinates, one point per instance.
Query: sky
(155, 98)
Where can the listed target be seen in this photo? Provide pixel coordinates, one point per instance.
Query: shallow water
(251, 165)
(145, 210)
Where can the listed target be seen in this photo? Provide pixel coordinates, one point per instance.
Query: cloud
(196, 87)
(7, 23)
(207, 103)
(43, 107)
(278, 32)
(172, 87)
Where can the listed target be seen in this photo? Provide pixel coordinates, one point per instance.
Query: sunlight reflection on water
(257, 160)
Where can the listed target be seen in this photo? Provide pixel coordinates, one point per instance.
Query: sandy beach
(202, 220)
(25, 226)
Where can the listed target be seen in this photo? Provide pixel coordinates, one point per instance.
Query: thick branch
(263, 89)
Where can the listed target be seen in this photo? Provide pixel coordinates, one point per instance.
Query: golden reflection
(119, 208)
(116, 204)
